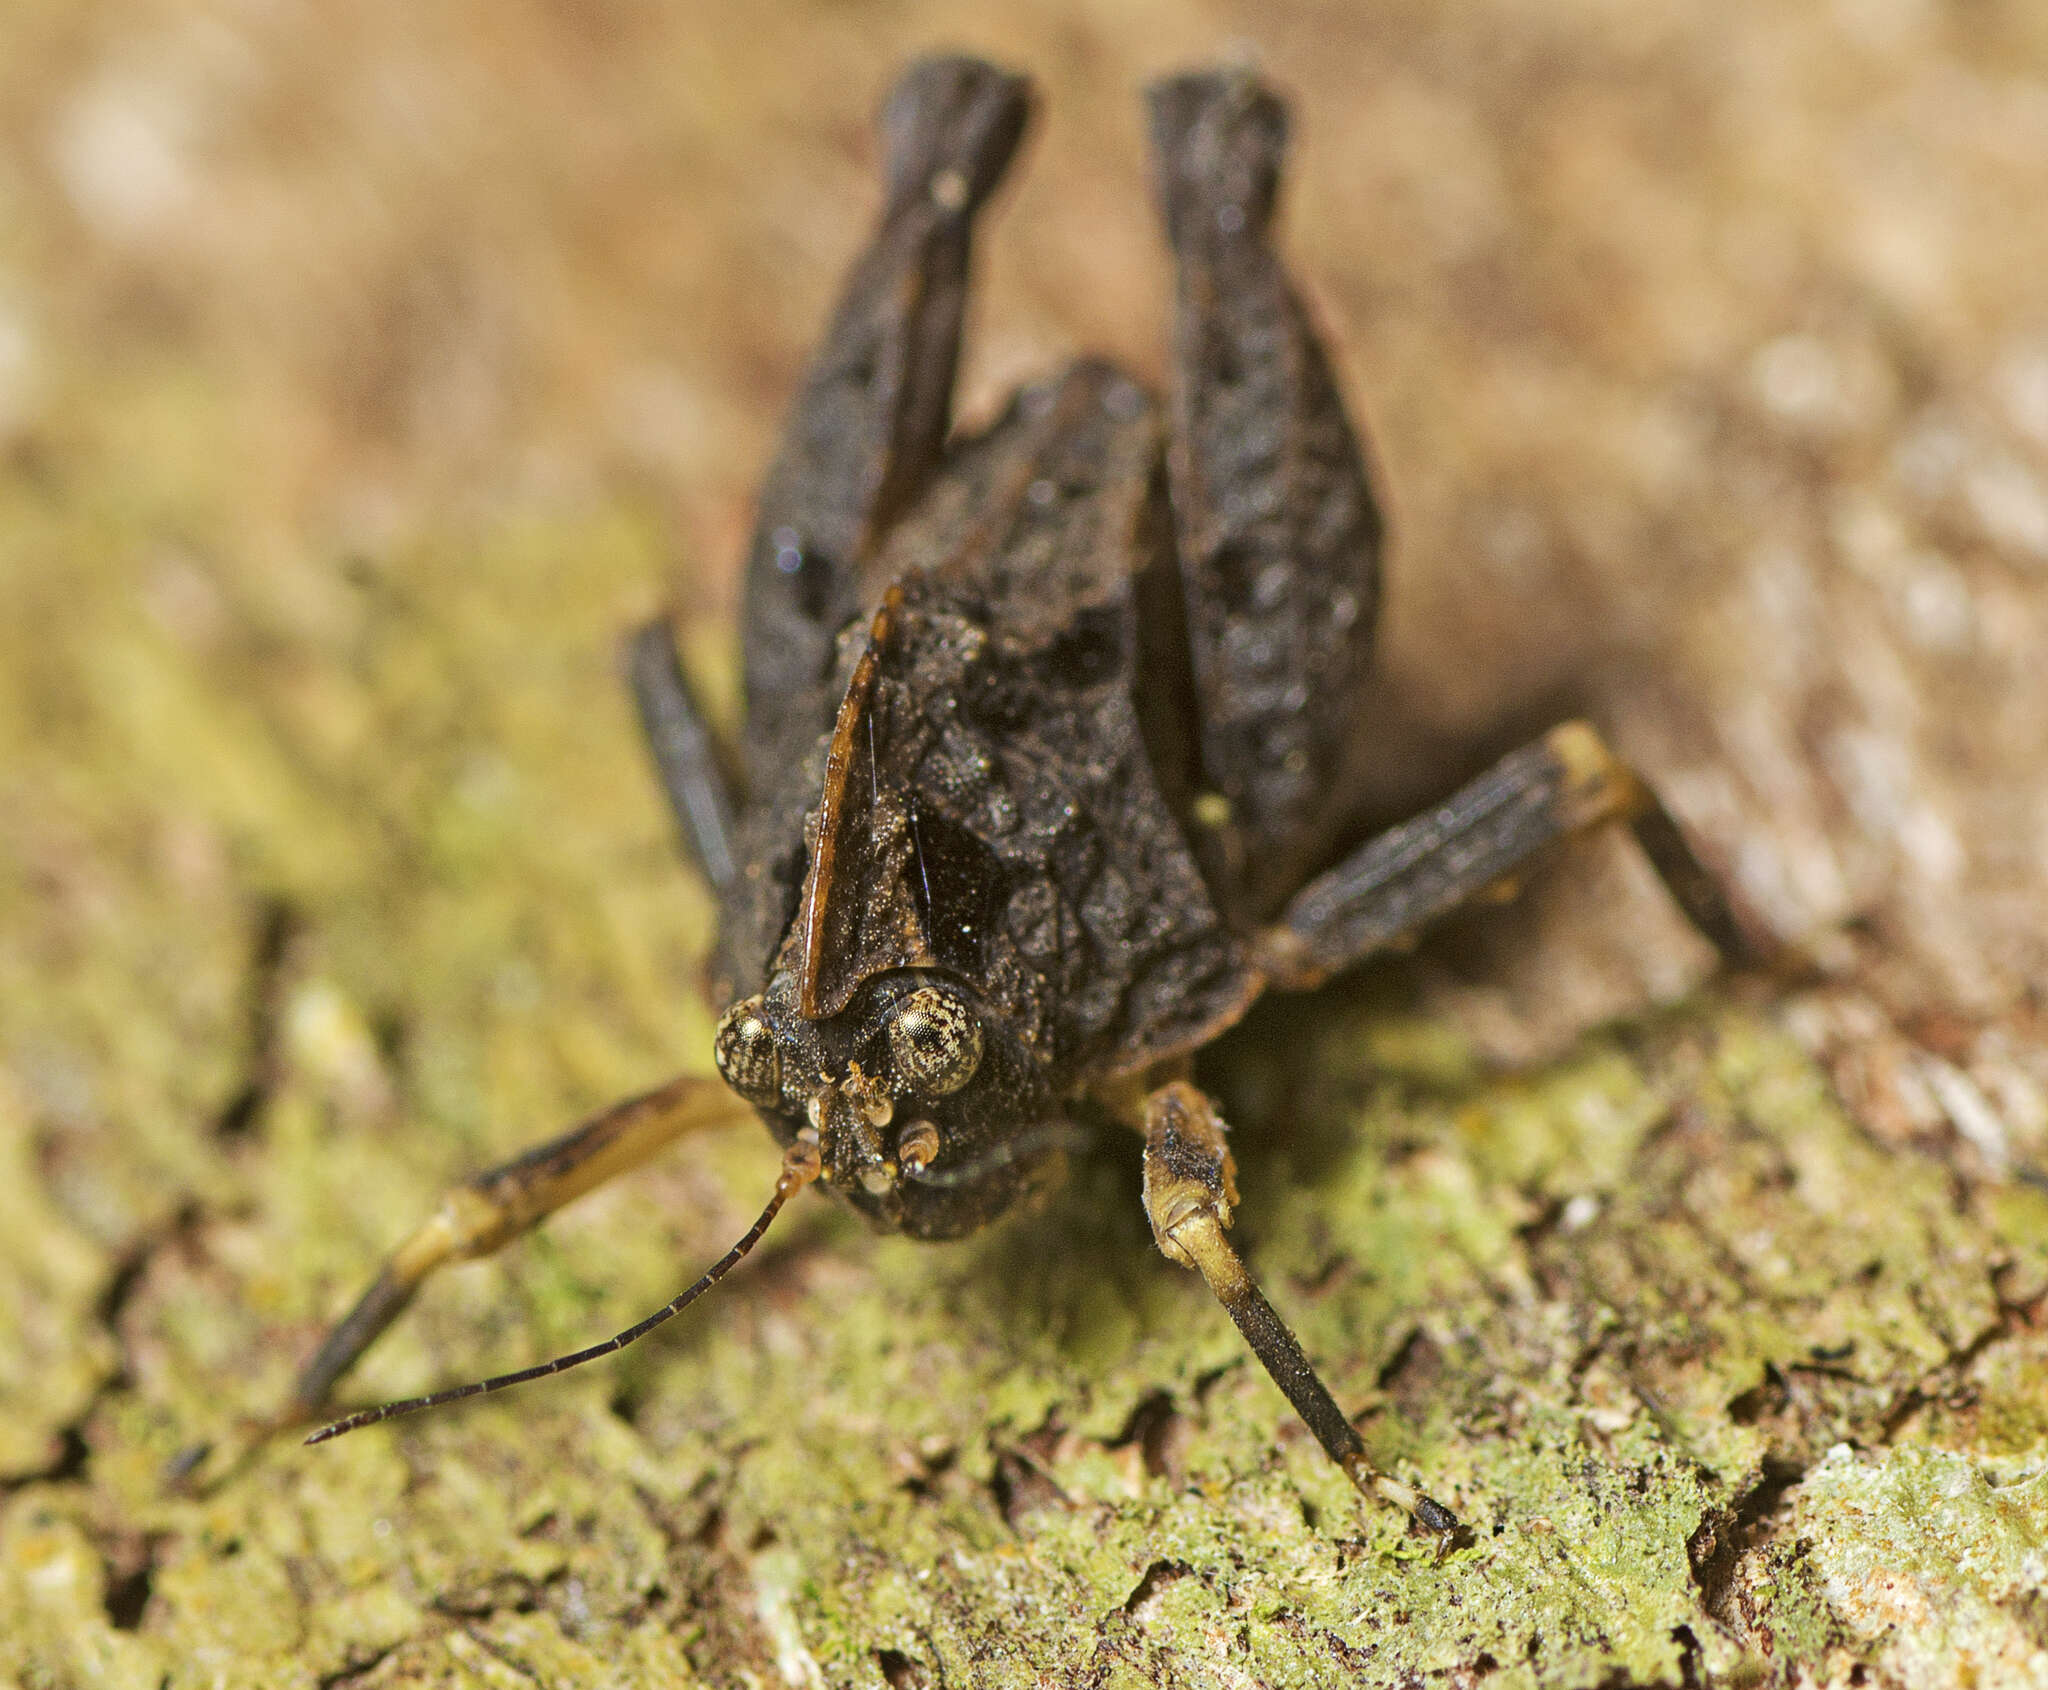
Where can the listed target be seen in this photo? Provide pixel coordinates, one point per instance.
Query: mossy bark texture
(363, 371)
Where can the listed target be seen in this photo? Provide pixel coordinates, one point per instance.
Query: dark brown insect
(1044, 734)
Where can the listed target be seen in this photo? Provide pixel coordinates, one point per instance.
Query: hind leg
(868, 429)
(1274, 517)
(862, 442)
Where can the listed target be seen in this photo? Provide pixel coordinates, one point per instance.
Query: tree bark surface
(362, 376)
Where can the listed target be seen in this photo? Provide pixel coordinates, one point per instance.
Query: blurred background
(365, 369)
(1704, 349)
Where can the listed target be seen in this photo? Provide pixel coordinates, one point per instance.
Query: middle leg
(686, 753)
(1483, 836)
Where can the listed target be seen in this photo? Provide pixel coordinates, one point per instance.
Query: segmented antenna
(800, 1166)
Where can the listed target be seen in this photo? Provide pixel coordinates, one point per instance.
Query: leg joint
(1190, 1180)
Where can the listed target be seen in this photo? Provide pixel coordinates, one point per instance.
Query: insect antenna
(800, 1166)
(1054, 1135)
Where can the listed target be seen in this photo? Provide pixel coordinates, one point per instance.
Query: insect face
(928, 1112)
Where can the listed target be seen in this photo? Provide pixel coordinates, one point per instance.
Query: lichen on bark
(338, 443)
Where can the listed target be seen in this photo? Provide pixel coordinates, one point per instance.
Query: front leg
(1190, 1190)
(486, 1213)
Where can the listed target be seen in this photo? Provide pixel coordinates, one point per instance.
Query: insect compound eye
(935, 1040)
(747, 1054)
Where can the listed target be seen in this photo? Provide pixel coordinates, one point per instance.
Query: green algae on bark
(1611, 1311)
(1614, 1310)
(329, 869)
